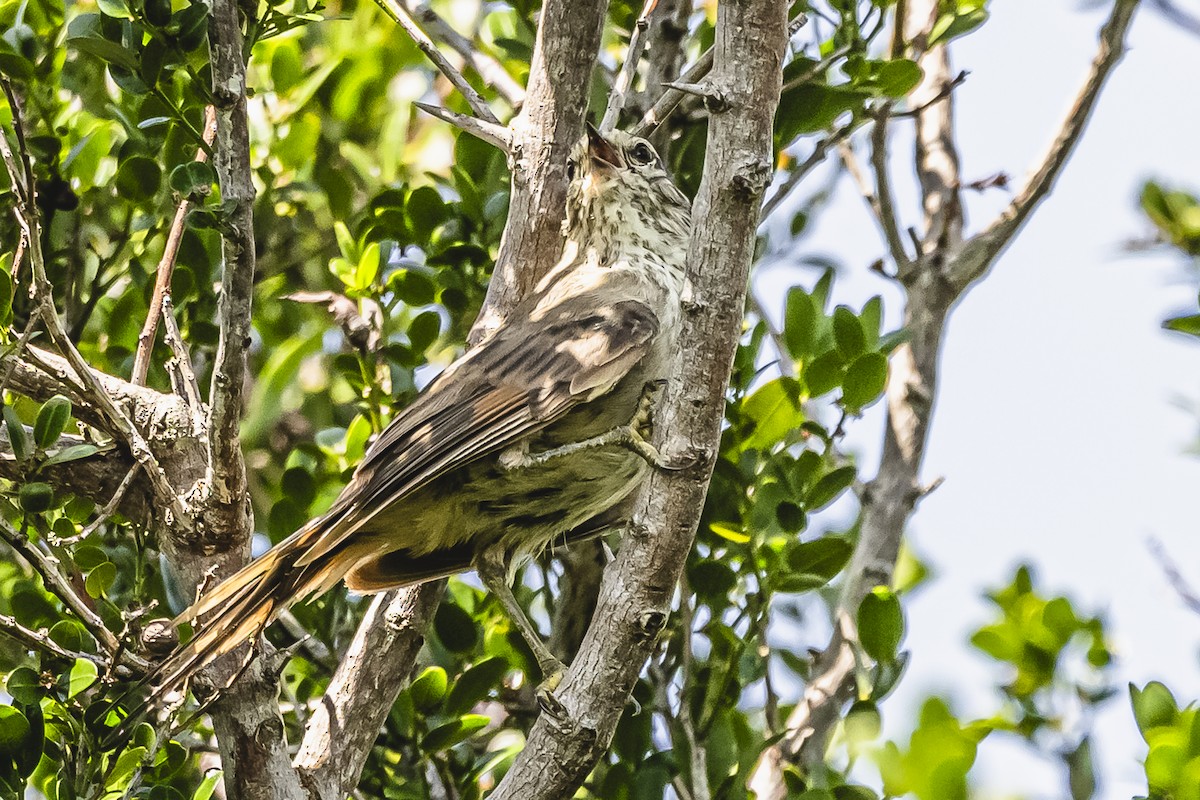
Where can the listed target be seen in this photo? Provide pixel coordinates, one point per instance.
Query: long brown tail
(235, 613)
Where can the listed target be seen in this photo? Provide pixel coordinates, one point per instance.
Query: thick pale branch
(638, 588)
(549, 125)
(980, 253)
(376, 666)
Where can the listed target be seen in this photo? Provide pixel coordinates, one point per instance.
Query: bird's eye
(571, 170)
(641, 154)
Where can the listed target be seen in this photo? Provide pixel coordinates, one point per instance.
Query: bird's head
(621, 193)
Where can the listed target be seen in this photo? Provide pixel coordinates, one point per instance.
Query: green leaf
(730, 532)
(193, 177)
(83, 676)
(824, 373)
(17, 437)
(51, 421)
(451, 733)
(424, 329)
(1188, 324)
(898, 77)
(14, 729)
(826, 556)
(880, 624)
(799, 324)
(871, 318)
(829, 487)
(428, 690)
(72, 453)
(412, 287)
(138, 178)
(207, 786)
(952, 26)
(100, 579)
(105, 50)
(775, 411)
(848, 333)
(1153, 706)
(455, 628)
(116, 9)
(346, 243)
(36, 498)
(865, 380)
(67, 633)
(127, 764)
(711, 578)
(425, 210)
(158, 12)
(368, 268)
(25, 686)
(15, 66)
(475, 684)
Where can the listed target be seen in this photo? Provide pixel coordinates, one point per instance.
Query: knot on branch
(650, 623)
(752, 178)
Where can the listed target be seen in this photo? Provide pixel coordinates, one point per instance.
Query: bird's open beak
(601, 152)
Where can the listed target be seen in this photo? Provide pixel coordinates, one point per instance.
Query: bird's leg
(491, 565)
(634, 436)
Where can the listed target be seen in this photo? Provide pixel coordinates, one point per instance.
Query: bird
(535, 435)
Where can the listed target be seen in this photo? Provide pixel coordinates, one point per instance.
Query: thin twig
(166, 264)
(786, 365)
(58, 585)
(109, 509)
(670, 98)
(190, 389)
(621, 86)
(884, 202)
(399, 14)
(40, 640)
(945, 91)
(818, 68)
(30, 330)
(491, 70)
(1174, 576)
(800, 172)
(492, 133)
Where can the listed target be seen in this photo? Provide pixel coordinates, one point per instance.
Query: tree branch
(345, 724)
(166, 264)
(401, 17)
(549, 125)
(229, 517)
(491, 70)
(934, 282)
(981, 252)
(495, 135)
(638, 588)
(633, 54)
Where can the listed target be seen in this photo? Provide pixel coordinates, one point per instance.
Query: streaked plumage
(569, 363)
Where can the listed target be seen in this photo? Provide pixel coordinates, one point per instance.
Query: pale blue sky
(1055, 428)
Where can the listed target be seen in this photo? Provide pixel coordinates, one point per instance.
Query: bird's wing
(526, 376)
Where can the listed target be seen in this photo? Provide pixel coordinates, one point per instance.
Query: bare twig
(399, 14)
(670, 98)
(491, 70)
(801, 171)
(109, 509)
(979, 253)
(633, 54)
(166, 264)
(493, 134)
(40, 640)
(1174, 576)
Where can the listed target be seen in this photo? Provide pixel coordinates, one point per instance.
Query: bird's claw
(551, 706)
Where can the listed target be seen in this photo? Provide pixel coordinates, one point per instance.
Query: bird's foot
(551, 706)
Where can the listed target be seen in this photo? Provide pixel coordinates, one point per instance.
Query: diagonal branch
(491, 70)
(980, 253)
(934, 282)
(399, 14)
(624, 81)
(495, 135)
(638, 588)
(166, 264)
(376, 666)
